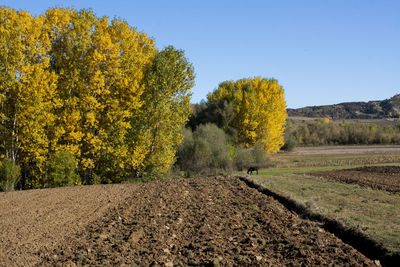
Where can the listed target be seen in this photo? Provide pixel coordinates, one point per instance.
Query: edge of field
(367, 219)
(354, 236)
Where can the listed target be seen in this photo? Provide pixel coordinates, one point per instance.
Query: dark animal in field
(252, 169)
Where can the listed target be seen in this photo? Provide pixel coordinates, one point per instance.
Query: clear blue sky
(321, 52)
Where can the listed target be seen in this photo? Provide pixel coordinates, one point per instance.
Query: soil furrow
(202, 221)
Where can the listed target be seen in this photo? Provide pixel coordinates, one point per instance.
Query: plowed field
(171, 222)
(385, 178)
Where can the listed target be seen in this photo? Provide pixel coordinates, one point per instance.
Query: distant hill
(388, 108)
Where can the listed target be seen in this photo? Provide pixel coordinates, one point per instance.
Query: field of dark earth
(199, 221)
(385, 178)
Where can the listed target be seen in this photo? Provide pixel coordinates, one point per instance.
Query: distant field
(365, 199)
(335, 150)
(389, 121)
(336, 157)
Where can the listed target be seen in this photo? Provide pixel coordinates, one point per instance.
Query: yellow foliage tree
(94, 88)
(27, 88)
(259, 111)
(100, 65)
(124, 149)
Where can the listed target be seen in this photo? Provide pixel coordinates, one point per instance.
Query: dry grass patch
(375, 213)
(337, 160)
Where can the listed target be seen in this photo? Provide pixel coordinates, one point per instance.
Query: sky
(321, 52)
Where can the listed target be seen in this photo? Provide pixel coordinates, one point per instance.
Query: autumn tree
(90, 91)
(259, 110)
(100, 65)
(27, 88)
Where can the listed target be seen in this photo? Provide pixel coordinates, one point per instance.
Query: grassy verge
(302, 169)
(376, 214)
(339, 161)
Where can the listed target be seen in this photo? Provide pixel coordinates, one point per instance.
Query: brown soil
(171, 222)
(33, 220)
(385, 178)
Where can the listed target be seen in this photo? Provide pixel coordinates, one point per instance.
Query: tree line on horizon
(320, 132)
(87, 100)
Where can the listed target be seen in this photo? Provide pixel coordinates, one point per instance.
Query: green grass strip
(375, 213)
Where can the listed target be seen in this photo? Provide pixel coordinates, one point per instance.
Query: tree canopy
(93, 87)
(256, 111)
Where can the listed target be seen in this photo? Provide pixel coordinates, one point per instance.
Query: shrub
(209, 150)
(260, 157)
(218, 144)
(255, 156)
(243, 158)
(201, 157)
(185, 151)
(204, 151)
(10, 173)
(61, 170)
(290, 142)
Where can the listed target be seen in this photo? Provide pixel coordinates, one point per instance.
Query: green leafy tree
(166, 107)
(220, 113)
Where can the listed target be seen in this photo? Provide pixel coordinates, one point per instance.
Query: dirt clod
(198, 233)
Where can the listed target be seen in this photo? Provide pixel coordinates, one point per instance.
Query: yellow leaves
(73, 117)
(138, 151)
(87, 163)
(74, 137)
(27, 87)
(71, 81)
(260, 111)
(100, 66)
(90, 119)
